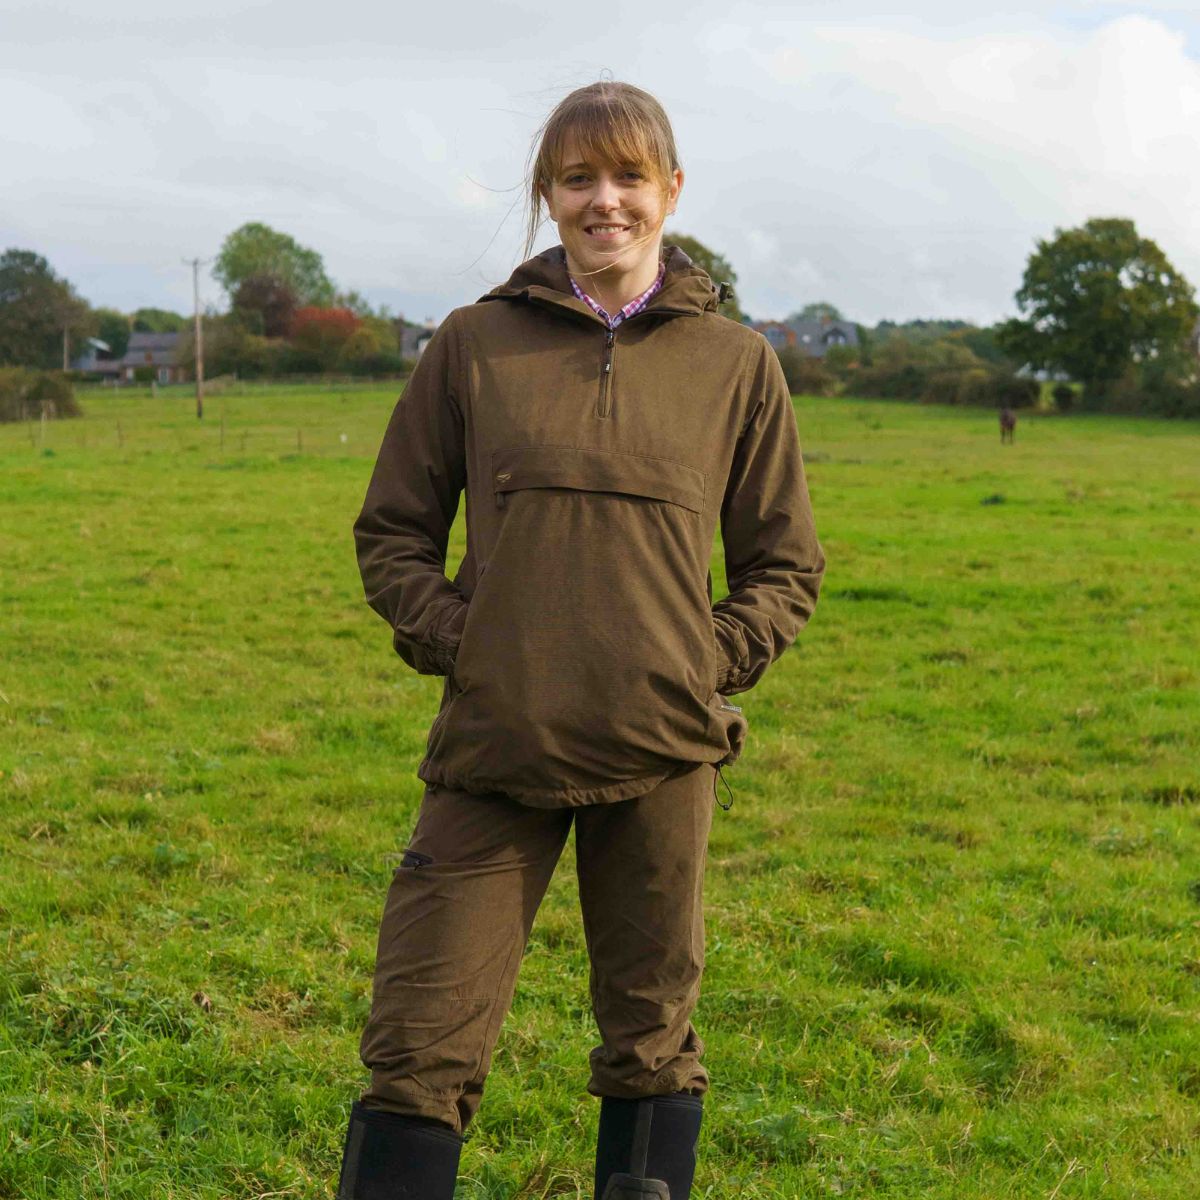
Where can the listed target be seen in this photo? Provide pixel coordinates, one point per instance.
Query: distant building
(814, 337)
(98, 359)
(157, 350)
(414, 338)
(777, 333)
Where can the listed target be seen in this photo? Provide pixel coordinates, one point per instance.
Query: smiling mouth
(604, 230)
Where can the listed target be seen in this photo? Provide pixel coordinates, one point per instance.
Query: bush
(806, 376)
(1164, 397)
(968, 386)
(24, 394)
(843, 360)
(379, 364)
(1063, 395)
(941, 371)
(231, 349)
(1005, 390)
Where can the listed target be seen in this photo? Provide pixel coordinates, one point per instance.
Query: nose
(605, 196)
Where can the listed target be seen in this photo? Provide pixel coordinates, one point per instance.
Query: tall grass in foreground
(954, 913)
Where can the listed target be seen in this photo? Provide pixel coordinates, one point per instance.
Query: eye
(575, 179)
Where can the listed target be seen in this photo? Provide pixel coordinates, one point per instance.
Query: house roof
(825, 331)
(152, 350)
(411, 337)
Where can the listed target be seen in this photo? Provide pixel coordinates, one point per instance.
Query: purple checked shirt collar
(634, 306)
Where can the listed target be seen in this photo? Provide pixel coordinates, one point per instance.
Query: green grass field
(954, 913)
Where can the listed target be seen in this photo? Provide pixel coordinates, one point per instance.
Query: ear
(674, 188)
(545, 194)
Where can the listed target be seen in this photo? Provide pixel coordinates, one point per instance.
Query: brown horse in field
(1008, 425)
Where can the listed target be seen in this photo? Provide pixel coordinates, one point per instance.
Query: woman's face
(608, 214)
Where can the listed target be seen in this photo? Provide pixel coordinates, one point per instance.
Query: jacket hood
(686, 287)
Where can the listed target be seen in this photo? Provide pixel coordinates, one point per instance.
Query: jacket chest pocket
(516, 468)
(598, 570)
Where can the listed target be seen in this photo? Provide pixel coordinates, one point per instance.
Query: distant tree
(36, 305)
(1098, 300)
(716, 265)
(158, 320)
(266, 304)
(113, 328)
(359, 305)
(985, 343)
(257, 249)
(818, 310)
(866, 344)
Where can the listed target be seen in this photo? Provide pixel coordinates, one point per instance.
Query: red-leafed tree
(319, 334)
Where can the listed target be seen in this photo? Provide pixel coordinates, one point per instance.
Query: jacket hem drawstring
(716, 795)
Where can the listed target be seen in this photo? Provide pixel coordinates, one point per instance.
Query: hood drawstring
(716, 796)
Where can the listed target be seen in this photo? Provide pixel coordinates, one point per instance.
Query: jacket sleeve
(773, 560)
(402, 531)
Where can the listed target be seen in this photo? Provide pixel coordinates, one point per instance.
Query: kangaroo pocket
(587, 656)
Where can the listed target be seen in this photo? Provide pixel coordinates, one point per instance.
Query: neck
(615, 286)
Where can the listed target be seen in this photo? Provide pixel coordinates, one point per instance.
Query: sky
(897, 167)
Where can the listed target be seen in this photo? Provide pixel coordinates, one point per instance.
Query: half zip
(606, 365)
(604, 400)
(555, 300)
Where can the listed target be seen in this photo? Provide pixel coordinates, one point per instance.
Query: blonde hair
(611, 122)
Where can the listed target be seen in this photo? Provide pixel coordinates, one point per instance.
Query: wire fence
(328, 418)
(232, 385)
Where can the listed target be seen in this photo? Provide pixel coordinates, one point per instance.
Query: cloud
(897, 166)
(946, 157)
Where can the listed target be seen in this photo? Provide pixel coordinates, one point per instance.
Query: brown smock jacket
(584, 658)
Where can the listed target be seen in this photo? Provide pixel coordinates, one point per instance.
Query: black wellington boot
(390, 1157)
(646, 1149)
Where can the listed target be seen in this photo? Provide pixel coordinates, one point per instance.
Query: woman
(603, 418)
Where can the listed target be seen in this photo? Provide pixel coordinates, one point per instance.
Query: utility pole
(199, 337)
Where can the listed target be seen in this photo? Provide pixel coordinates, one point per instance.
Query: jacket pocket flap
(520, 467)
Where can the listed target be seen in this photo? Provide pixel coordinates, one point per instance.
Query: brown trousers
(458, 915)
